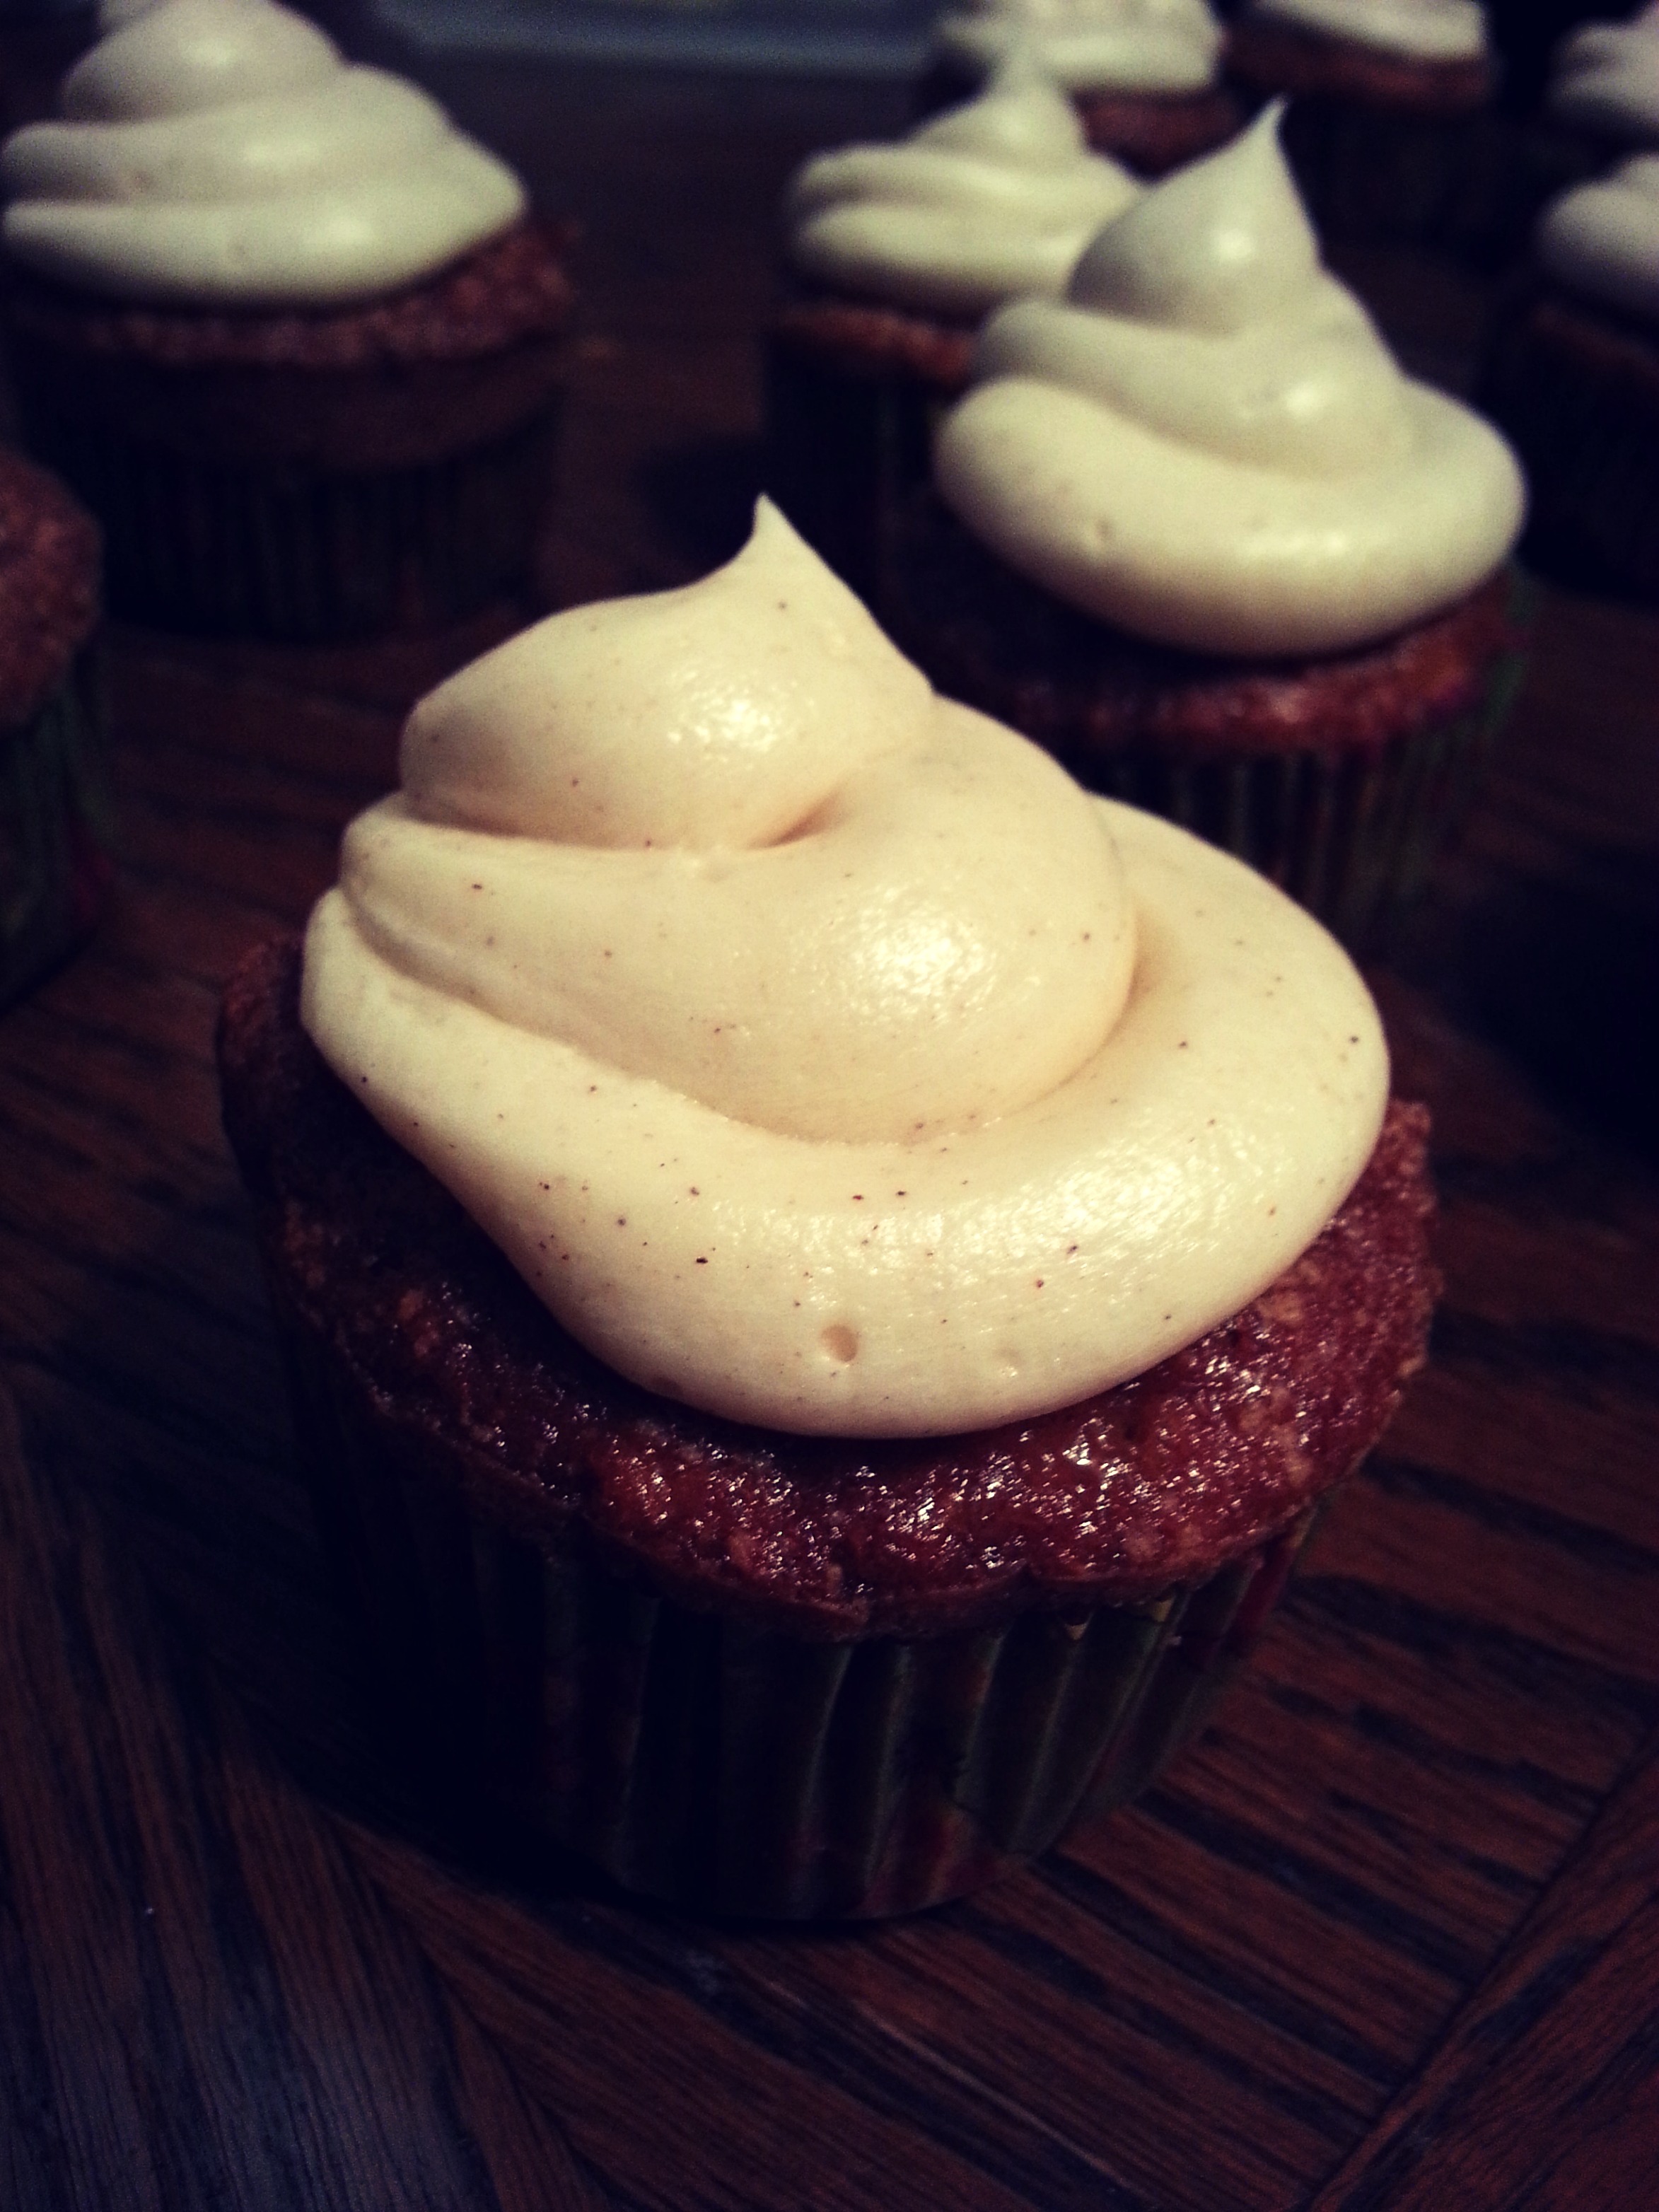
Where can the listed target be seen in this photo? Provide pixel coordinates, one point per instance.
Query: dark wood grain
(1385, 1937)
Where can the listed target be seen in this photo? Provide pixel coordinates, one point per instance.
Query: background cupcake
(1197, 533)
(1604, 80)
(1144, 75)
(290, 335)
(1572, 376)
(896, 254)
(1384, 94)
(797, 1452)
(55, 825)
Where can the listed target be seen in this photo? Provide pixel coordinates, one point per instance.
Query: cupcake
(895, 254)
(291, 336)
(1144, 74)
(1193, 532)
(826, 1273)
(54, 789)
(1384, 93)
(1572, 376)
(1604, 80)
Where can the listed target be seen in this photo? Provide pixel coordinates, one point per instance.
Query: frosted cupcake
(1572, 376)
(291, 336)
(896, 254)
(1144, 75)
(1383, 96)
(1604, 80)
(1196, 532)
(826, 1272)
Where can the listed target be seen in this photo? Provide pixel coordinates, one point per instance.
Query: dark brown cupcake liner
(1350, 835)
(56, 828)
(843, 450)
(730, 1768)
(298, 554)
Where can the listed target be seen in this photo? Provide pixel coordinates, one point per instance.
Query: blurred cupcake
(1384, 93)
(826, 1275)
(1572, 377)
(896, 254)
(290, 335)
(1144, 75)
(1196, 533)
(1604, 80)
(54, 786)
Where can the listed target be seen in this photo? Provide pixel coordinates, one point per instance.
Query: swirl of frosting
(221, 152)
(1092, 45)
(1605, 77)
(1422, 30)
(988, 201)
(1207, 442)
(1602, 239)
(813, 1046)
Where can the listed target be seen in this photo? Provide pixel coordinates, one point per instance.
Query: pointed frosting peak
(1218, 245)
(1022, 116)
(684, 718)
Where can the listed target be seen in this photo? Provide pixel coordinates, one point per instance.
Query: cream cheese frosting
(1092, 45)
(221, 152)
(1605, 78)
(993, 199)
(1602, 239)
(1207, 442)
(812, 1046)
(1421, 30)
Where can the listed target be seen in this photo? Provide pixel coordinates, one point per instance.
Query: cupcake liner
(300, 555)
(731, 1768)
(1352, 835)
(843, 450)
(56, 836)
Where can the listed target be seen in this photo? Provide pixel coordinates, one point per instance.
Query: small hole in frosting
(841, 1342)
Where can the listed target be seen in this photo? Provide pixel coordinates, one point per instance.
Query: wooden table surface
(1387, 1937)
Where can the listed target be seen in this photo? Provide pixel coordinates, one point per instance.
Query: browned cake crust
(1155, 132)
(1154, 1483)
(48, 587)
(513, 287)
(427, 372)
(1574, 386)
(861, 338)
(1275, 57)
(1082, 689)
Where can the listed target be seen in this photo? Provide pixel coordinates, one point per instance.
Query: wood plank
(1545, 2095)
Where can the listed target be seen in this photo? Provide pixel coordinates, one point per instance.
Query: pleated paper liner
(56, 828)
(284, 552)
(1349, 834)
(736, 1770)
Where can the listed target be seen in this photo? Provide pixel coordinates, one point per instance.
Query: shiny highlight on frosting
(1207, 443)
(220, 153)
(815, 1048)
